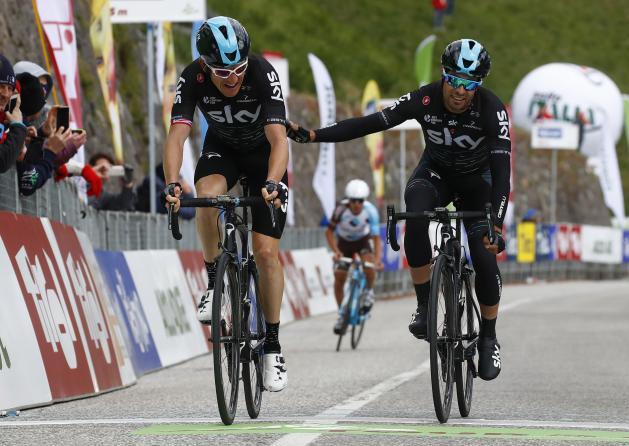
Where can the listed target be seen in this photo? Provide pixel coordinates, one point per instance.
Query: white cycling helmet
(357, 189)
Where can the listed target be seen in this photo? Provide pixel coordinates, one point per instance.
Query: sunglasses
(356, 200)
(456, 82)
(224, 73)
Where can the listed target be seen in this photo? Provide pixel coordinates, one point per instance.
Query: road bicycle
(453, 315)
(351, 307)
(238, 324)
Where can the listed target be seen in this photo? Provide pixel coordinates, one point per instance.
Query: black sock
(210, 268)
(271, 342)
(488, 327)
(422, 290)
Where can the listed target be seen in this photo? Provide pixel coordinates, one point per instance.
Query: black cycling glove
(301, 135)
(500, 241)
(169, 190)
(282, 191)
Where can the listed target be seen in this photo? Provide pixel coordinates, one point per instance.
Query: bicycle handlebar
(350, 260)
(220, 201)
(440, 215)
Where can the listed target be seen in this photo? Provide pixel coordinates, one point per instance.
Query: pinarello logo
(200, 78)
(426, 100)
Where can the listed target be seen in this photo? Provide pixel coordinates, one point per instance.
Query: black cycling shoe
(489, 363)
(419, 322)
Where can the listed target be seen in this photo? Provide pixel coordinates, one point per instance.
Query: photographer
(104, 166)
(12, 129)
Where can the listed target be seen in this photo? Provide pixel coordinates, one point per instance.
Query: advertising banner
(196, 277)
(298, 291)
(108, 303)
(102, 38)
(57, 20)
(545, 241)
(315, 266)
(134, 11)
(324, 180)
(512, 242)
(23, 378)
(601, 244)
(47, 292)
(128, 307)
(625, 255)
(374, 141)
(390, 258)
(166, 302)
(526, 242)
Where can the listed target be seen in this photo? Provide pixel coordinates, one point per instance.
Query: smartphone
(63, 117)
(77, 131)
(116, 171)
(12, 103)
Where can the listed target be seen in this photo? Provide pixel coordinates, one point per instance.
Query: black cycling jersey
(460, 144)
(239, 121)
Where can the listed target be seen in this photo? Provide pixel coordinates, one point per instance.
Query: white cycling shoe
(275, 375)
(204, 309)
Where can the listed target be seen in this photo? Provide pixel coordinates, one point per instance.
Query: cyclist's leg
(488, 282)
(340, 276)
(425, 190)
(367, 255)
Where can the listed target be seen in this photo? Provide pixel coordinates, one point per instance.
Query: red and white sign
(196, 276)
(568, 242)
(315, 265)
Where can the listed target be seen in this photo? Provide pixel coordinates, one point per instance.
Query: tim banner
(324, 178)
(601, 244)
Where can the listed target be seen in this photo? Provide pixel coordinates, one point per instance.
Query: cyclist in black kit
(240, 96)
(468, 149)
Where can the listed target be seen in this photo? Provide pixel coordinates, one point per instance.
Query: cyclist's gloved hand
(282, 193)
(171, 194)
(297, 133)
(499, 242)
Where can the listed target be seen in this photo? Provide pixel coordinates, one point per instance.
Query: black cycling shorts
(218, 159)
(349, 248)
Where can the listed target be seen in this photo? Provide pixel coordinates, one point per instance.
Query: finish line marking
(318, 429)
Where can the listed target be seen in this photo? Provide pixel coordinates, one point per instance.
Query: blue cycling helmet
(466, 56)
(223, 42)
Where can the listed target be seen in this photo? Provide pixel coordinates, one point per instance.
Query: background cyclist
(468, 148)
(357, 226)
(244, 108)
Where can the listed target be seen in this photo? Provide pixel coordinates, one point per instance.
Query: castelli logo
(200, 78)
(426, 100)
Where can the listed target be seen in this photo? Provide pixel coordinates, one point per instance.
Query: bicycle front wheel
(357, 320)
(440, 332)
(463, 369)
(225, 337)
(252, 367)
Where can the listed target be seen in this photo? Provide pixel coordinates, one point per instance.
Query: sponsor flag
(166, 75)
(423, 60)
(526, 242)
(374, 141)
(101, 36)
(625, 100)
(57, 20)
(195, 55)
(324, 178)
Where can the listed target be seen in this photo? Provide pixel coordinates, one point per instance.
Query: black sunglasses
(356, 200)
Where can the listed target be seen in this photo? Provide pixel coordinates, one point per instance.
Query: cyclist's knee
(267, 257)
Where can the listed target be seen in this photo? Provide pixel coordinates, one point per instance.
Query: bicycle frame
(357, 284)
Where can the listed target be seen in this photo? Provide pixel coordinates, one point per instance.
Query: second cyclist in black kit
(468, 148)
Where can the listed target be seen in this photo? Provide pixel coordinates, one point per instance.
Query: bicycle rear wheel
(252, 369)
(356, 319)
(440, 331)
(225, 334)
(464, 369)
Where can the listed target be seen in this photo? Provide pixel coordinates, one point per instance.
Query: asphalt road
(565, 380)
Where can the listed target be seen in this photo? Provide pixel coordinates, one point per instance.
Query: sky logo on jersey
(503, 122)
(403, 98)
(445, 138)
(243, 116)
(180, 83)
(275, 83)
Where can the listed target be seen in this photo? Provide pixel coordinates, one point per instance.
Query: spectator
(45, 79)
(144, 199)
(439, 7)
(36, 162)
(12, 129)
(102, 164)
(450, 8)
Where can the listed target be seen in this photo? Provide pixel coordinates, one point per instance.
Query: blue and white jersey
(351, 227)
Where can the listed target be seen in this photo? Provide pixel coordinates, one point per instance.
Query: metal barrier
(137, 230)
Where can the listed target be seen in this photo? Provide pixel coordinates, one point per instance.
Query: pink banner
(57, 20)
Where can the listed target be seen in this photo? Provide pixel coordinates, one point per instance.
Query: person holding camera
(12, 129)
(105, 168)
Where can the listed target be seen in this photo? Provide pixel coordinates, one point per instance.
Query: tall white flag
(324, 178)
